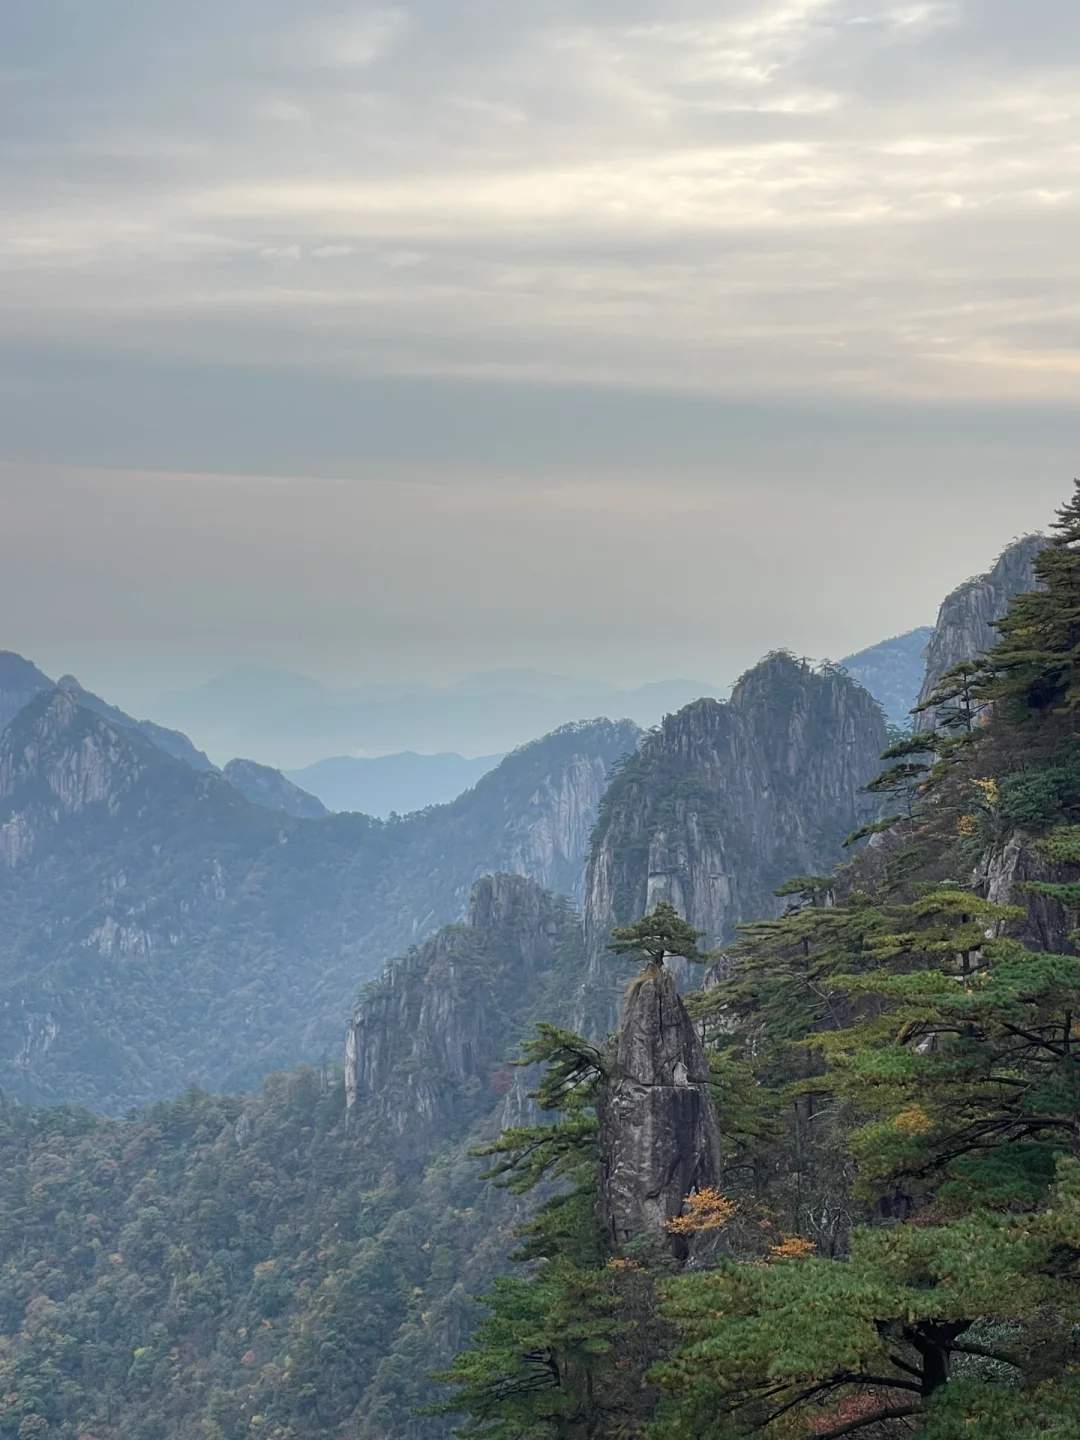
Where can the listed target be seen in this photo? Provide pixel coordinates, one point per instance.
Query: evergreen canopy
(661, 933)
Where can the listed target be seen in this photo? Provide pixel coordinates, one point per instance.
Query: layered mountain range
(166, 923)
(160, 929)
(296, 1263)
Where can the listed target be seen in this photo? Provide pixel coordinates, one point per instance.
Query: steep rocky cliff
(263, 785)
(727, 800)
(430, 1038)
(162, 930)
(965, 622)
(21, 681)
(172, 742)
(659, 1139)
(1005, 874)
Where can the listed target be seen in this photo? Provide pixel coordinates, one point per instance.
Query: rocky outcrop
(892, 671)
(658, 1134)
(727, 800)
(549, 838)
(171, 742)
(444, 1019)
(1004, 876)
(61, 761)
(965, 622)
(21, 682)
(263, 785)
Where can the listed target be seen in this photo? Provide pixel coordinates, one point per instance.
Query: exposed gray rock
(172, 742)
(1003, 875)
(658, 1134)
(550, 838)
(965, 622)
(450, 1013)
(263, 785)
(727, 800)
(56, 777)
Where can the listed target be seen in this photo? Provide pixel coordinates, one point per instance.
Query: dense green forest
(893, 1246)
(279, 1265)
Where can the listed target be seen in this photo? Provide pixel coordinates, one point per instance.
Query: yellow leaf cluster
(965, 825)
(618, 1262)
(706, 1209)
(913, 1121)
(792, 1247)
(990, 793)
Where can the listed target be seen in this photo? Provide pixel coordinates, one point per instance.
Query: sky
(618, 338)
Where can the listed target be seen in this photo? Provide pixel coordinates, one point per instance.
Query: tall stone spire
(659, 1139)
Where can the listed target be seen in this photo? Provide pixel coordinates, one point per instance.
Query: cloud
(782, 186)
(356, 40)
(547, 239)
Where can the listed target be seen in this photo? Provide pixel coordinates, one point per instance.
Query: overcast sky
(609, 336)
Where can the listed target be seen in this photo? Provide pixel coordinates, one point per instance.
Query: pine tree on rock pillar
(658, 1139)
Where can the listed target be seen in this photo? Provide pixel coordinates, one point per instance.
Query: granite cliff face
(21, 682)
(429, 1041)
(549, 837)
(728, 799)
(965, 622)
(161, 930)
(1003, 876)
(659, 1139)
(172, 742)
(263, 785)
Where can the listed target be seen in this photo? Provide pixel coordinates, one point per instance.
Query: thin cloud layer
(607, 250)
(802, 194)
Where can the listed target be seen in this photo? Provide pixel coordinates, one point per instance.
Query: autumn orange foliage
(705, 1209)
(792, 1247)
(913, 1121)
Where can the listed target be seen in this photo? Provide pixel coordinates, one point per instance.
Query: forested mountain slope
(221, 1268)
(159, 929)
(883, 1241)
(833, 1194)
(20, 681)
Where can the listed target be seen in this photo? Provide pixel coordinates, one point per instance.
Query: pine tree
(1036, 662)
(661, 933)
